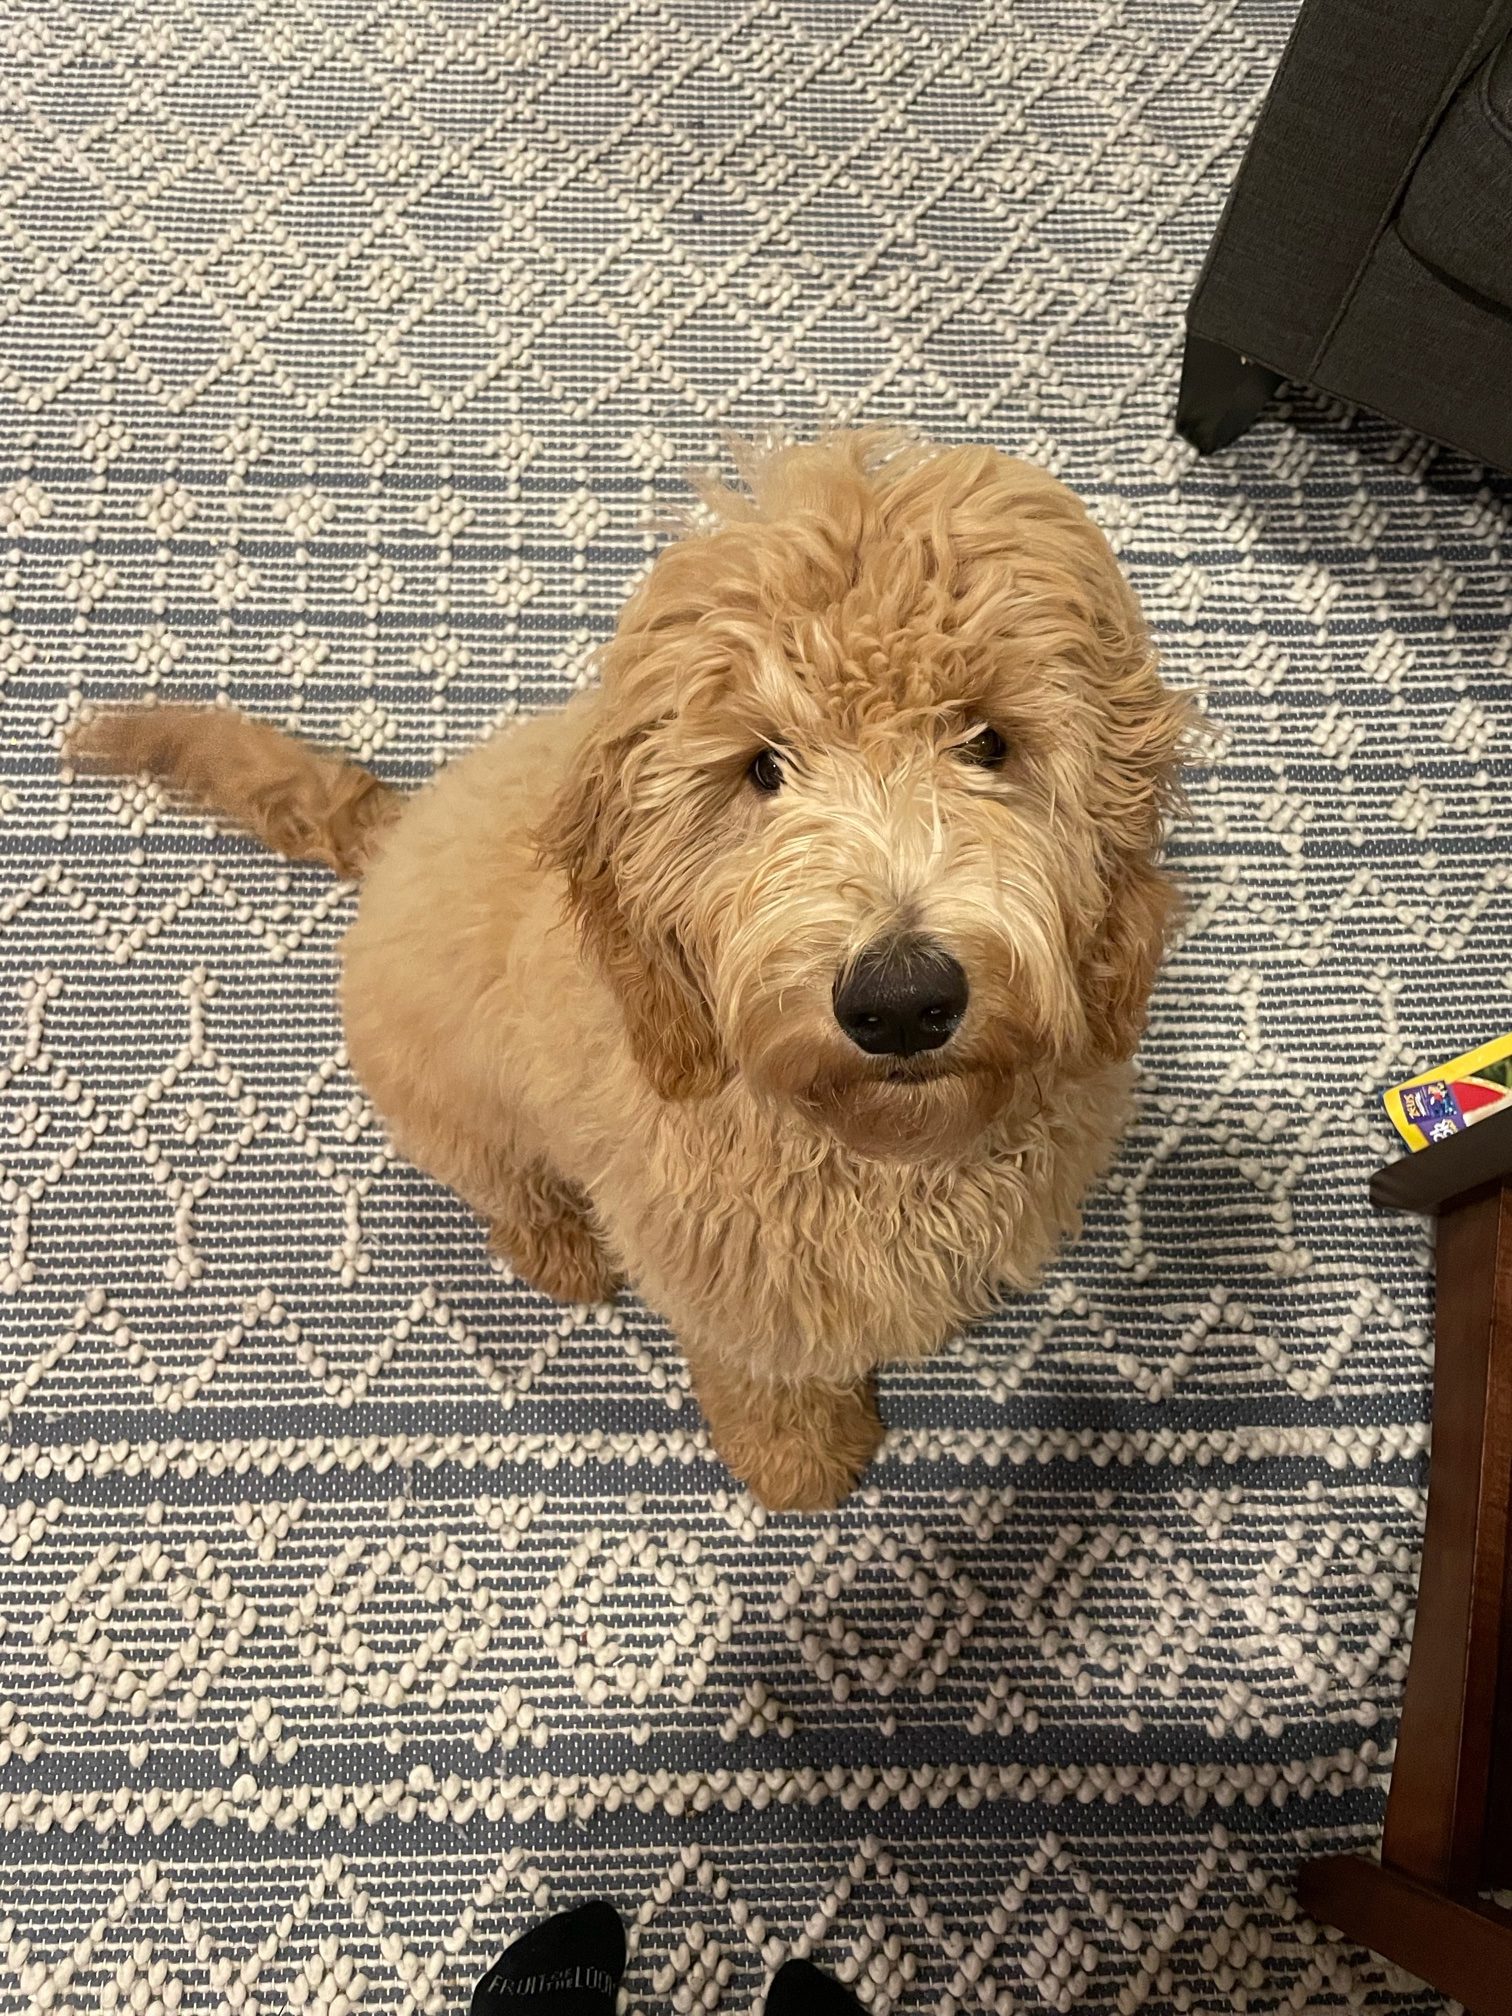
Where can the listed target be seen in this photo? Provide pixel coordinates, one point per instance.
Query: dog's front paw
(562, 1259)
(805, 1449)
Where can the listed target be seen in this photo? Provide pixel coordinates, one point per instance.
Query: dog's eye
(986, 749)
(766, 770)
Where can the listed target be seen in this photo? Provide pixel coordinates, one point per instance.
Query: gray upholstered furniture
(1366, 248)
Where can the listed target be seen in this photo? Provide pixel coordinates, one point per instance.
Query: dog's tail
(298, 800)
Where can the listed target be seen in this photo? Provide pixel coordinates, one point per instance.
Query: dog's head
(870, 807)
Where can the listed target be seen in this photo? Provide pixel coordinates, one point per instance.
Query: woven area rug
(358, 1604)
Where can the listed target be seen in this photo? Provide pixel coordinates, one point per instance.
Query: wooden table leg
(1463, 1949)
(1435, 1817)
(1447, 1837)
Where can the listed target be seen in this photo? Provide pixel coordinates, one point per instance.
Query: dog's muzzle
(902, 998)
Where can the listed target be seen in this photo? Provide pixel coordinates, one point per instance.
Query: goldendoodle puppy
(794, 973)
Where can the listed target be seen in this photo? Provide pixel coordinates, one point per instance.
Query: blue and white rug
(357, 1604)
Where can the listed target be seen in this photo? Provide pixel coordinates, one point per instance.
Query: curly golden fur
(593, 980)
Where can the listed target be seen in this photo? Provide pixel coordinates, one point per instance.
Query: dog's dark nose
(902, 998)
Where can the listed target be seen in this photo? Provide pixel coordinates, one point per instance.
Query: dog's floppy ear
(586, 835)
(1119, 970)
(1148, 732)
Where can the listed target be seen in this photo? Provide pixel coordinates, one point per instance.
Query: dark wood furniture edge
(1434, 1176)
(1436, 1812)
(1447, 1837)
(1463, 1949)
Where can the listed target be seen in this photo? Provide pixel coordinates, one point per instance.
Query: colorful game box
(1453, 1096)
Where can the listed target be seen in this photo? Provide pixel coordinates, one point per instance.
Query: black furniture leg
(1222, 394)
